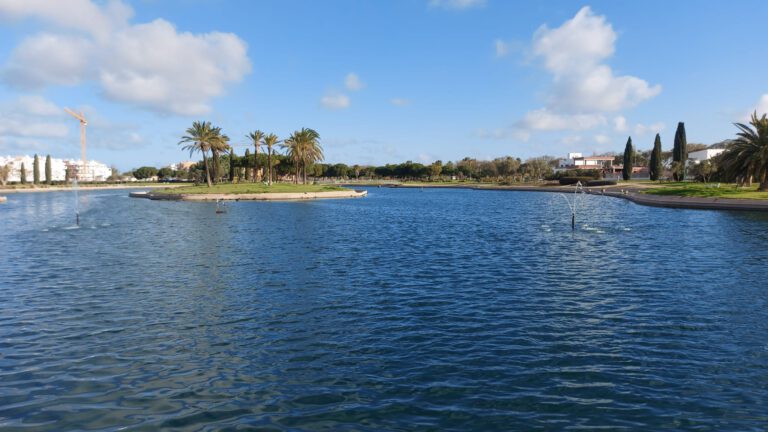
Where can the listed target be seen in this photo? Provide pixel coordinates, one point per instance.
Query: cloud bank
(149, 65)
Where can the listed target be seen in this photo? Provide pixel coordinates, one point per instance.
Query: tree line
(744, 158)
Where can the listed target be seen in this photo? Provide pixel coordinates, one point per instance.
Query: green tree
(680, 153)
(232, 165)
(144, 172)
(747, 156)
(5, 171)
(436, 169)
(256, 138)
(199, 138)
(219, 146)
(629, 160)
(48, 170)
(655, 168)
(36, 170)
(247, 163)
(270, 141)
(165, 172)
(23, 175)
(704, 170)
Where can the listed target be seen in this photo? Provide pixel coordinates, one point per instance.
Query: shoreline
(81, 188)
(632, 194)
(266, 196)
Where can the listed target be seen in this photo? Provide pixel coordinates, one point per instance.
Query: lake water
(405, 310)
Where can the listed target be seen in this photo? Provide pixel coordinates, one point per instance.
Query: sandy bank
(292, 196)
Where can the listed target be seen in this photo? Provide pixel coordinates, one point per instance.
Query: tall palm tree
(270, 141)
(256, 137)
(312, 151)
(748, 155)
(198, 138)
(219, 145)
(293, 151)
(304, 148)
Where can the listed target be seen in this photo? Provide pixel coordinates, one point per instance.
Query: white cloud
(571, 139)
(574, 53)
(602, 139)
(620, 124)
(30, 117)
(641, 129)
(38, 105)
(545, 120)
(584, 89)
(335, 101)
(21, 127)
(399, 101)
(352, 82)
(150, 65)
(49, 59)
(82, 15)
(456, 4)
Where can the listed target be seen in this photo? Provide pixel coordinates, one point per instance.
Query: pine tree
(655, 167)
(23, 174)
(629, 159)
(36, 170)
(48, 170)
(680, 152)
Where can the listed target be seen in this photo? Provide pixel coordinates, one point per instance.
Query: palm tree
(198, 139)
(270, 141)
(311, 151)
(219, 145)
(304, 148)
(748, 155)
(293, 151)
(256, 137)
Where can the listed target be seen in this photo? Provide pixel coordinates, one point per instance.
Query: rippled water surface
(405, 310)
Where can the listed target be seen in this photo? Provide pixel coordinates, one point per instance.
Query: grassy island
(251, 188)
(707, 190)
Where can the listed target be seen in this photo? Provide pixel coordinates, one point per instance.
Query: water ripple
(408, 310)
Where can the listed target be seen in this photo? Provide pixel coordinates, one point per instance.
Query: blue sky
(381, 81)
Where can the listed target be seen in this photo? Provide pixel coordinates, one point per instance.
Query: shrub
(573, 180)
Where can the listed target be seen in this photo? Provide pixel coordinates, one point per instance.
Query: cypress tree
(48, 172)
(232, 166)
(629, 158)
(23, 174)
(36, 170)
(655, 169)
(247, 163)
(680, 152)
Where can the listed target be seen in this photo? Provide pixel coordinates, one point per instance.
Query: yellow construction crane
(83, 123)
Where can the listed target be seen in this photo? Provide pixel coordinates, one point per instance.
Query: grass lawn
(251, 188)
(726, 190)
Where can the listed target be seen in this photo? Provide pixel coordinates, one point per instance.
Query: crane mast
(83, 123)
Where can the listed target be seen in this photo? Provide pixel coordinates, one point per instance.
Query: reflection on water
(434, 310)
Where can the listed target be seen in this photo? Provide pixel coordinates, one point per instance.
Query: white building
(95, 171)
(702, 155)
(579, 162)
